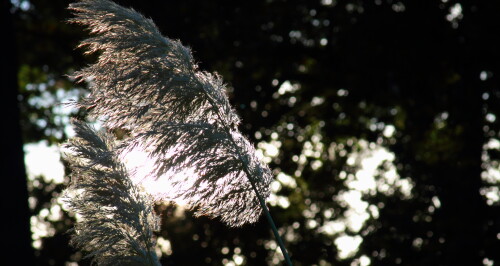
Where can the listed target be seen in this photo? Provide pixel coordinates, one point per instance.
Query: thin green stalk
(254, 187)
(270, 220)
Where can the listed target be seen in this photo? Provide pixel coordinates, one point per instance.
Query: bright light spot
(398, 7)
(442, 116)
(56, 102)
(364, 261)
(37, 244)
(326, 2)
(311, 211)
(361, 261)
(32, 201)
(266, 151)
(374, 211)
(355, 220)
(283, 202)
(323, 41)
(24, 5)
(491, 117)
(485, 96)
(271, 244)
(351, 160)
(492, 194)
(286, 180)
(287, 87)
(493, 144)
(137, 162)
(316, 164)
(417, 242)
(491, 175)
(369, 160)
(295, 34)
(364, 181)
(277, 200)
(488, 262)
(170, 184)
(316, 138)
(317, 101)
(483, 75)
(311, 224)
(356, 214)
(374, 173)
(238, 259)
(44, 160)
(342, 93)
(347, 245)
(332, 227)
(275, 186)
(271, 150)
(163, 246)
(436, 202)
(455, 14)
(55, 213)
(389, 131)
(40, 229)
(405, 186)
(342, 175)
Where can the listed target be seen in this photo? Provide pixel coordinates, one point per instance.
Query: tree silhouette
(319, 86)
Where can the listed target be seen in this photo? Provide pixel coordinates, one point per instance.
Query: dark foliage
(360, 66)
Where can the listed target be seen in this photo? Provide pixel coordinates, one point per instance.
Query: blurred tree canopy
(378, 118)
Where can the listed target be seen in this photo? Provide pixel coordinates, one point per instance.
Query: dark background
(359, 65)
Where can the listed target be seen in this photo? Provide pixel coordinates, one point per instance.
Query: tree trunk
(16, 233)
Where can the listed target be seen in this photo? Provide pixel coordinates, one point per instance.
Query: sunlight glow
(287, 87)
(282, 180)
(41, 228)
(278, 200)
(389, 131)
(163, 246)
(491, 173)
(141, 166)
(347, 245)
(455, 12)
(23, 5)
(370, 170)
(43, 160)
(266, 151)
(286, 180)
(488, 262)
(332, 227)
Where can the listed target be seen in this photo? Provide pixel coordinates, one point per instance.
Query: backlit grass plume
(116, 220)
(176, 115)
(182, 141)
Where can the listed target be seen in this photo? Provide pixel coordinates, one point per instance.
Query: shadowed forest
(377, 118)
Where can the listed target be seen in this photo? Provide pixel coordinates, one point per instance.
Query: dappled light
(378, 121)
